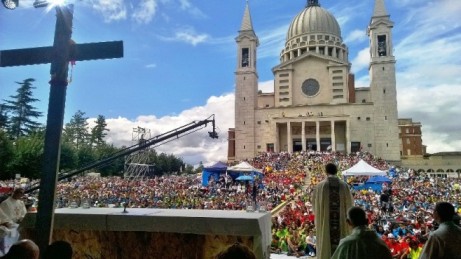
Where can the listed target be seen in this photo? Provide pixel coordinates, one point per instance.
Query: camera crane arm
(140, 146)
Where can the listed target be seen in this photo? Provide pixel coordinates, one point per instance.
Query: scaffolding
(137, 165)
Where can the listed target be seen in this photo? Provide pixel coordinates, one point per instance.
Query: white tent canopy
(363, 168)
(242, 167)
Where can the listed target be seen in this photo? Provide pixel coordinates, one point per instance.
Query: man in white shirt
(443, 243)
(12, 211)
(13, 207)
(311, 244)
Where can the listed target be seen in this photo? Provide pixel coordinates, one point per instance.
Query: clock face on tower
(310, 87)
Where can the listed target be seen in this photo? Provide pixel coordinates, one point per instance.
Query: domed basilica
(315, 105)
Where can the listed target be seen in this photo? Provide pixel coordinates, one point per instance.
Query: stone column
(317, 134)
(303, 135)
(333, 136)
(348, 137)
(277, 140)
(289, 140)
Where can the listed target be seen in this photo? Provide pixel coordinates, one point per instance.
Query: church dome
(313, 20)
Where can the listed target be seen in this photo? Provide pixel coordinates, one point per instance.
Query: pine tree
(98, 132)
(22, 112)
(6, 153)
(3, 117)
(76, 131)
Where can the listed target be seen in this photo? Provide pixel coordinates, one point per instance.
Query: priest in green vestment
(363, 243)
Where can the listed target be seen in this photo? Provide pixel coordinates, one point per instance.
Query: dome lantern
(312, 3)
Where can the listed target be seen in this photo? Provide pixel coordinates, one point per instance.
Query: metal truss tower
(136, 164)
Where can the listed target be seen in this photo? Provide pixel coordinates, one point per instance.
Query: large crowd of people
(401, 213)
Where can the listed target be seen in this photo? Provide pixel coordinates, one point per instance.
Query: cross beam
(63, 51)
(45, 55)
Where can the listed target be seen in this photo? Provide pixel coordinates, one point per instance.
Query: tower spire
(247, 24)
(380, 8)
(312, 3)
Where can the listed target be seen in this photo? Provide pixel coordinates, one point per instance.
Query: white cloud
(187, 6)
(145, 11)
(436, 108)
(115, 10)
(361, 61)
(345, 12)
(429, 86)
(188, 36)
(194, 147)
(356, 36)
(363, 81)
(153, 65)
(272, 41)
(112, 10)
(439, 141)
(266, 86)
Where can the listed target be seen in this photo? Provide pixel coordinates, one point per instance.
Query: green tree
(85, 156)
(6, 154)
(200, 167)
(3, 117)
(161, 164)
(68, 160)
(76, 131)
(22, 112)
(166, 164)
(28, 155)
(189, 169)
(98, 132)
(113, 168)
(175, 164)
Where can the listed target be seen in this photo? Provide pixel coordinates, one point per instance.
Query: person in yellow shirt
(413, 252)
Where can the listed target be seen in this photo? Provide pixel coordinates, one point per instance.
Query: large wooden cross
(62, 52)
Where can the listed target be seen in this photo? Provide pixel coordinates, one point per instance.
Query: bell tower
(383, 84)
(246, 89)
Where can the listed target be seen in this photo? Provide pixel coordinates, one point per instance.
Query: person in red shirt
(405, 243)
(395, 247)
(386, 240)
(370, 216)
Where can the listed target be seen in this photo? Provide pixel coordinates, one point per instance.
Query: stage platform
(157, 233)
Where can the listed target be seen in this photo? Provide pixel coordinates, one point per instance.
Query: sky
(180, 58)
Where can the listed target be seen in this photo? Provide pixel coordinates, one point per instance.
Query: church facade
(315, 105)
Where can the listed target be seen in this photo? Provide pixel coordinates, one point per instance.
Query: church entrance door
(297, 145)
(311, 144)
(325, 143)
